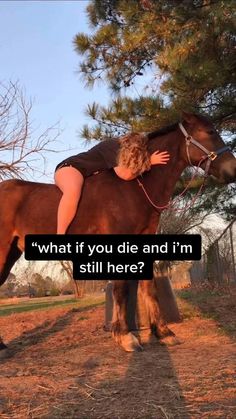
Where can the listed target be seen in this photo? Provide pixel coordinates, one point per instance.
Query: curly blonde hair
(133, 153)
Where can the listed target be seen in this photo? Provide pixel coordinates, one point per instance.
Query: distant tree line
(39, 286)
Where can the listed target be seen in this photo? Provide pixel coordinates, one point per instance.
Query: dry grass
(60, 364)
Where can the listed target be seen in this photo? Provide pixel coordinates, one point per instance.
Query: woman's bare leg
(70, 181)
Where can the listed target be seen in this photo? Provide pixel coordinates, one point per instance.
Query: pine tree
(188, 47)
(184, 53)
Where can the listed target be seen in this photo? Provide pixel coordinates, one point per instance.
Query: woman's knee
(69, 180)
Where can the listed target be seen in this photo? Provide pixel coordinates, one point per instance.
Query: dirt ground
(61, 364)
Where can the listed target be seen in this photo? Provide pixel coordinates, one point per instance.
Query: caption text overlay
(113, 256)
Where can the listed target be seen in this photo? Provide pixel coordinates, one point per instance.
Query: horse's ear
(188, 117)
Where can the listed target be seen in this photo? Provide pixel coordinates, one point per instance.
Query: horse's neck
(161, 180)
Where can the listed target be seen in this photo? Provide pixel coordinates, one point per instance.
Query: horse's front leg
(120, 329)
(157, 323)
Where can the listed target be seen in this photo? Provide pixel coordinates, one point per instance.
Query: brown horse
(111, 205)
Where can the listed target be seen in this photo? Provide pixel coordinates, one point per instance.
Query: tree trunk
(108, 306)
(76, 288)
(167, 300)
(132, 305)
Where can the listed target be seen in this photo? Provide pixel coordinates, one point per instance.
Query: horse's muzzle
(228, 172)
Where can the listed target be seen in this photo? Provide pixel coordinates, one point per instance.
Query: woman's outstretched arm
(155, 158)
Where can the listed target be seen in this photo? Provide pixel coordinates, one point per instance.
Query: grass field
(32, 304)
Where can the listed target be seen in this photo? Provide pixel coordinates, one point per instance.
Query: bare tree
(79, 286)
(181, 222)
(18, 151)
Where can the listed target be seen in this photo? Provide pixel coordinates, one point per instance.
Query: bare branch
(18, 150)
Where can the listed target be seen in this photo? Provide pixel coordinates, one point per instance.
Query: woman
(128, 156)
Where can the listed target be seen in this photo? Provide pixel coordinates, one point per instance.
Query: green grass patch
(197, 297)
(209, 304)
(196, 303)
(188, 310)
(34, 305)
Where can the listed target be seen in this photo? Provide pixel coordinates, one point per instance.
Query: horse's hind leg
(9, 254)
(120, 329)
(2, 344)
(158, 325)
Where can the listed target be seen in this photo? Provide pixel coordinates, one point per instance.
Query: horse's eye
(211, 132)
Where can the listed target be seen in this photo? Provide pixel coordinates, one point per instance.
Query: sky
(36, 49)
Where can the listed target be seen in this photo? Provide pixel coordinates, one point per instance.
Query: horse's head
(204, 143)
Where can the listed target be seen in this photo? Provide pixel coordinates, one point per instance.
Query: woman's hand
(159, 157)
(156, 158)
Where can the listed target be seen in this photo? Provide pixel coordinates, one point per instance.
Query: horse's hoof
(130, 343)
(107, 328)
(3, 350)
(170, 341)
(2, 346)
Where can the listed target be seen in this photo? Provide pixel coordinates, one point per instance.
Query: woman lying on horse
(129, 156)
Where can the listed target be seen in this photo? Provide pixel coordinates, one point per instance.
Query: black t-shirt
(100, 157)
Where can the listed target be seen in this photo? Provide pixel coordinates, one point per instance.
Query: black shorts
(66, 163)
(83, 163)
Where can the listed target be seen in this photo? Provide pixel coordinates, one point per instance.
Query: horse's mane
(162, 131)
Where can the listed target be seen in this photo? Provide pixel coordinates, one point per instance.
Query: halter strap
(210, 155)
